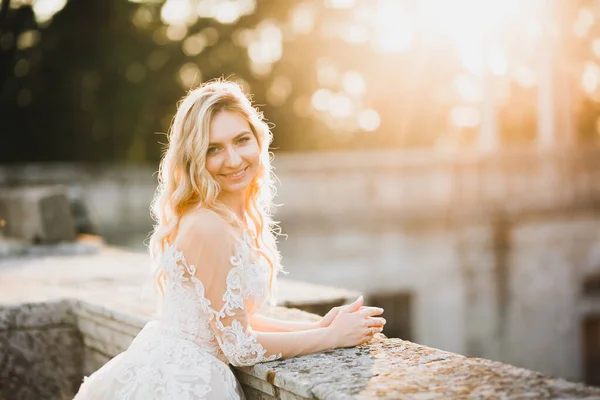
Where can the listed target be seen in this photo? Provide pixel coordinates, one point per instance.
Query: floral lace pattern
(184, 354)
(247, 289)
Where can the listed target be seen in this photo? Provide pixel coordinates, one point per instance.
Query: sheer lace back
(209, 295)
(185, 311)
(209, 304)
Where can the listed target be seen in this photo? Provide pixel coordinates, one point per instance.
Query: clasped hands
(353, 324)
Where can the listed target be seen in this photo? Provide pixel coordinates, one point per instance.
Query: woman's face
(233, 155)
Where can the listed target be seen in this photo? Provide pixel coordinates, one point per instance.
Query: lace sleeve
(231, 324)
(227, 283)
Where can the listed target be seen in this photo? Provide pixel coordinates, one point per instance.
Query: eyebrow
(239, 135)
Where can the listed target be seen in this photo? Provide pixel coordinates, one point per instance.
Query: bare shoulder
(204, 224)
(206, 240)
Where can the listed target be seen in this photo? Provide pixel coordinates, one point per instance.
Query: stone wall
(382, 368)
(41, 351)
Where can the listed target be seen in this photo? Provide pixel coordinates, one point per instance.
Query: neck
(235, 201)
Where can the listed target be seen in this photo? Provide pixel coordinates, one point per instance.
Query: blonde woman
(217, 260)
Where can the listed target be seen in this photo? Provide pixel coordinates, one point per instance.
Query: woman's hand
(330, 316)
(327, 318)
(354, 324)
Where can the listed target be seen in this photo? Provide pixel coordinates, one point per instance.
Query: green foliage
(100, 80)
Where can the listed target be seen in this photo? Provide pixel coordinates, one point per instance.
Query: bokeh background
(441, 156)
(93, 80)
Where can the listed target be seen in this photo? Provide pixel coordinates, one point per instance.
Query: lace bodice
(210, 304)
(214, 281)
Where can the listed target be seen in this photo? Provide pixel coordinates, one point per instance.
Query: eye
(211, 150)
(244, 139)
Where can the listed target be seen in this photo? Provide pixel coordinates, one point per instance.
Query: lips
(236, 174)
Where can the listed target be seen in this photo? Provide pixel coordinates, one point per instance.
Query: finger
(375, 322)
(356, 305)
(374, 309)
(345, 306)
(334, 311)
(368, 312)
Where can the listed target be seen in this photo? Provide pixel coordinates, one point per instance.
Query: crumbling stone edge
(383, 368)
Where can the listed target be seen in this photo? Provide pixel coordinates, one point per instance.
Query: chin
(237, 187)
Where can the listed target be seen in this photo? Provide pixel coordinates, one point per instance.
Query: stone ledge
(36, 315)
(85, 244)
(101, 296)
(383, 368)
(394, 369)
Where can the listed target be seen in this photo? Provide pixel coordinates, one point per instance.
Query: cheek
(252, 152)
(213, 165)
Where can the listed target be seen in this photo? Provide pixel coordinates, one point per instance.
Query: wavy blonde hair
(184, 182)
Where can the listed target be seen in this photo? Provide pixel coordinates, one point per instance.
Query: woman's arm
(244, 347)
(262, 323)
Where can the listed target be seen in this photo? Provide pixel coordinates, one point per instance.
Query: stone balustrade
(62, 316)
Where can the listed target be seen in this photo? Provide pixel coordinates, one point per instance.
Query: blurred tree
(99, 79)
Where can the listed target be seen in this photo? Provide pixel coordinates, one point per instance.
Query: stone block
(40, 364)
(39, 214)
(258, 389)
(104, 339)
(93, 360)
(35, 315)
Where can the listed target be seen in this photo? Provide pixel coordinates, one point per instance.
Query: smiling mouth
(236, 174)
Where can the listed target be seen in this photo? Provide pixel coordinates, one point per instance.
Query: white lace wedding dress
(203, 327)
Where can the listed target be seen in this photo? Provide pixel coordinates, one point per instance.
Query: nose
(233, 159)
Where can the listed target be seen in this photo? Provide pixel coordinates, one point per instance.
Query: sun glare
(472, 27)
(44, 10)
(393, 28)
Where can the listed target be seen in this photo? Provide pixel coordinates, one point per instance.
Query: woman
(216, 260)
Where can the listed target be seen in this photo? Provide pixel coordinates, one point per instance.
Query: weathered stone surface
(36, 315)
(394, 369)
(93, 360)
(40, 363)
(41, 352)
(37, 214)
(258, 389)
